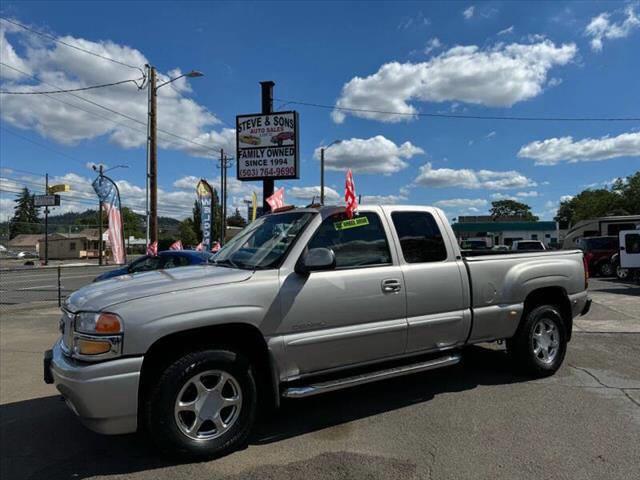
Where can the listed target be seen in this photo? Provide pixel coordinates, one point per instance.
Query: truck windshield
(264, 243)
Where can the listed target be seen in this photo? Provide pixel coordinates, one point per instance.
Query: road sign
(59, 188)
(46, 200)
(267, 146)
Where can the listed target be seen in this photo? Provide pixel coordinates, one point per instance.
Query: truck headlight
(97, 336)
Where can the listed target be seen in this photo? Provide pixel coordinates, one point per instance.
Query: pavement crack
(604, 385)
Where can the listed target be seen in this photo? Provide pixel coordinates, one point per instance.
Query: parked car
(27, 255)
(500, 248)
(528, 245)
(473, 245)
(598, 252)
(299, 303)
(281, 137)
(621, 273)
(164, 260)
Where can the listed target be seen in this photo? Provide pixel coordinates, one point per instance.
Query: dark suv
(598, 252)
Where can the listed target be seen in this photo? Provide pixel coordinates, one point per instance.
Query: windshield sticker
(353, 223)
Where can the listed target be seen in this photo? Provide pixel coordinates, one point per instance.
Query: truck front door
(353, 314)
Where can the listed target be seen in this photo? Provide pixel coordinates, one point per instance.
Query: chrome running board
(338, 384)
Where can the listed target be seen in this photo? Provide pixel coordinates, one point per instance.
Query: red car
(598, 252)
(281, 137)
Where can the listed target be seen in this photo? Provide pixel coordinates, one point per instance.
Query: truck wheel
(540, 343)
(203, 405)
(622, 273)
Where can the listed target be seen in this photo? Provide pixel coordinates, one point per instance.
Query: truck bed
(500, 282)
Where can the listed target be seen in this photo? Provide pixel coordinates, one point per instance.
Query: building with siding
(506, 232)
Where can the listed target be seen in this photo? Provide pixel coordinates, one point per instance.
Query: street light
(322, 149)
(152, 151)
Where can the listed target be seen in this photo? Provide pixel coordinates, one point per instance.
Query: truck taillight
(585, 263)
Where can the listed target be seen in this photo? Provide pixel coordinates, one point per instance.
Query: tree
(501, 209)
(236, 220)
(188, 235)
(590, 204)
(196, 221)
(132, 223)
(25, 218)
(629, 191)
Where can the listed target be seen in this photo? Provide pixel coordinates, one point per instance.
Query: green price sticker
(353, 223)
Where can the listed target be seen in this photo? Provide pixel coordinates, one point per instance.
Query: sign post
(267, 145)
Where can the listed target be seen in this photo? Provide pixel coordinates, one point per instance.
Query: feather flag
(109, 196)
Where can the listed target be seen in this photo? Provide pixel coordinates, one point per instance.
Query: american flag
(277, 199)
(177, 245)
(350, 195)
(152, 249)
(108, 194)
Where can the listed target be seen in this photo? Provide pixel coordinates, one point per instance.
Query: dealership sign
(46, 200)
(267, 146)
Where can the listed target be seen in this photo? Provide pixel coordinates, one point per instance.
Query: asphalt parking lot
(476, 420)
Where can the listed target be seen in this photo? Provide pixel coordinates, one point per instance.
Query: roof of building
(25, 239)
(503, 226)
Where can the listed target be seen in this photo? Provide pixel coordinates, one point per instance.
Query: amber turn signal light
(108, 323)
(92, 347)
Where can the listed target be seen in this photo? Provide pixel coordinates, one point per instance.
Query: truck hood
(102, 295)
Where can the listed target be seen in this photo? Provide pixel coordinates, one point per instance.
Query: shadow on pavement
(41, 438)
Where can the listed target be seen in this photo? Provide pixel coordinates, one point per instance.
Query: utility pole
(225, 165)
(153, 158)
(221, 239)
(322, 176)
(267, 107)
(46, 221)
(100, 222)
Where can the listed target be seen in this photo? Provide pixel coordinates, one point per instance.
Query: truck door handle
(391, 285)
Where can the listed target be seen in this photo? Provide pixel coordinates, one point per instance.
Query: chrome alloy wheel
(208, 405)
(545, 340)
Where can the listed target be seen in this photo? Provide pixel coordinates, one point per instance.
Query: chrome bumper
(104, 395)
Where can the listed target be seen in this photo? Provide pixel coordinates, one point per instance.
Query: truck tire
(607, 269)
(540, 344)
(203, 405)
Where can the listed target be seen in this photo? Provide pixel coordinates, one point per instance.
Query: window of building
(534, 236)
(364, 244)
(420, 238)
(547, 235)
(72, 246)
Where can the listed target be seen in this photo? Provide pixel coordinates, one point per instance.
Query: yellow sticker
(353, 223)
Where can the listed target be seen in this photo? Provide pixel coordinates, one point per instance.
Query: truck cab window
(420, 238)
(363, 244)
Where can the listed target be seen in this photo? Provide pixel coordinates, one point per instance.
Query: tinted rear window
(420, 238)
(602, 243)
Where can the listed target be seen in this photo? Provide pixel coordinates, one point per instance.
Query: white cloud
(497, 76)
(309, 193)
(432, 44)
(555, 150)
(468, 12)
(462, 203)
(506, 31)
(566, 198)
(385, 199)
(491, 134)
(64, 67)
(471, 179)
(529, 194)
(601, 27)
(371, 155)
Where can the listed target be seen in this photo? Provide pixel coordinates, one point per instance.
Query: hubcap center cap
(210, 405)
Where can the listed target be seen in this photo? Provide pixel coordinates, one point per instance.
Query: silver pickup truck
(302, 302)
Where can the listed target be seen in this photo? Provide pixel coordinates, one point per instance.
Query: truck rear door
(436, 282)
(630, 249)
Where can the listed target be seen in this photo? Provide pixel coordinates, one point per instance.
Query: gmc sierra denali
(301, 302)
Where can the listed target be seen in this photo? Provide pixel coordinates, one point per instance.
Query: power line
(75, 47)
(464, 117)
(184, 139)
(92, 87)
(42, 145)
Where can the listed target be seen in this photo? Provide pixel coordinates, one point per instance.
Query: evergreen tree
(25, 218)
(236, 220)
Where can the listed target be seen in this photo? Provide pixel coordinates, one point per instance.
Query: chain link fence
(32, 286)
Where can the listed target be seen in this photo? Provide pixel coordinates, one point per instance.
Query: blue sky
(467, 58)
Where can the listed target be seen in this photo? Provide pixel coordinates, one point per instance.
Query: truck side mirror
(316, 259)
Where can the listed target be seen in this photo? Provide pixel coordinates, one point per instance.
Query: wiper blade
(227, 262)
